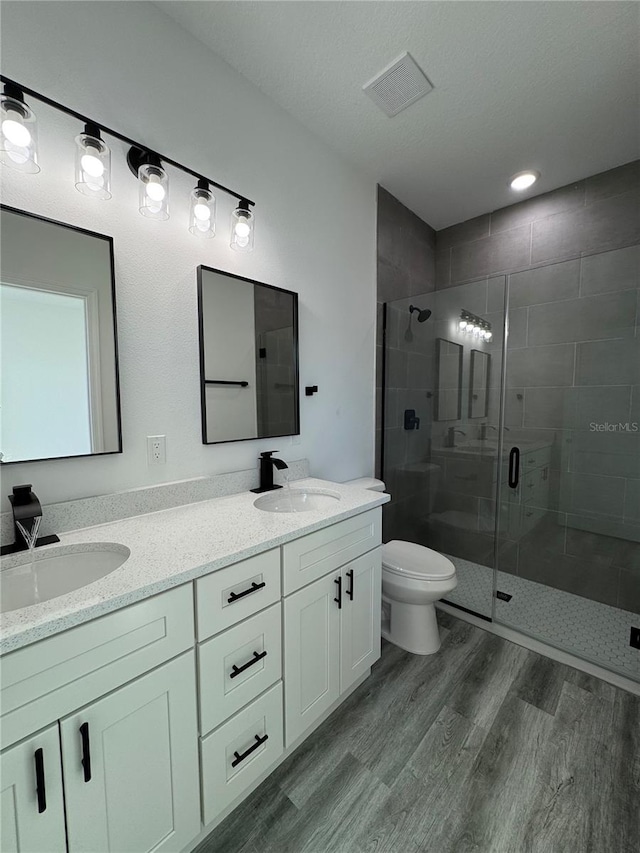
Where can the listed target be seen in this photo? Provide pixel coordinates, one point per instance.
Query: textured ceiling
(552, 86)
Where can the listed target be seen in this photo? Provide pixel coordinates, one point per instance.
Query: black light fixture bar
(132, 142)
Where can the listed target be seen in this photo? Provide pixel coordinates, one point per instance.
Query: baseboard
(208, 829)
(543, 649)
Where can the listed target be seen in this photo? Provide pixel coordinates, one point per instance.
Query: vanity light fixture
(242, 227)
(523, 180)
(153, 183)
(473, 326)
(18, 149)
(18, 132)
(202, 219)
(93, 163)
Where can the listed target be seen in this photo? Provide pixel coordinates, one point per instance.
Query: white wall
(228, 314)
(131, 67)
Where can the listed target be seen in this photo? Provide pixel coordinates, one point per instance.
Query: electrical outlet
(634, 639)
(156, 449)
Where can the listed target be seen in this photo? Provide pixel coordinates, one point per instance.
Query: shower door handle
(514, 467)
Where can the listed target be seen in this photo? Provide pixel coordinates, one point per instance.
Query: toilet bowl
(413, 579)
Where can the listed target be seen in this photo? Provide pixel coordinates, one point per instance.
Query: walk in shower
(511, 443)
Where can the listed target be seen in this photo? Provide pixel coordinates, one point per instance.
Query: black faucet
(267, 464)
(26, 510)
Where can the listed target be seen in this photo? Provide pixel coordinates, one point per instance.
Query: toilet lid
(415, 561)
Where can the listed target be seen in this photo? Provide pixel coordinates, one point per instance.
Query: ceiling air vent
(398, 85)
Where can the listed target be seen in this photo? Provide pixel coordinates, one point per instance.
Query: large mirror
(448, 403)
(479, 384)
(59, 393)
(248, 358)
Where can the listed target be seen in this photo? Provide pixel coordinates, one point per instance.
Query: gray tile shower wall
(598, 214)
(405, 267)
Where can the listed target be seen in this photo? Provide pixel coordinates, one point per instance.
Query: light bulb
(242, 229)
(16, 132)
(155, 190)
(202, 221)
(201, 211)
(92, 165)
(489, 336)
(462, 324)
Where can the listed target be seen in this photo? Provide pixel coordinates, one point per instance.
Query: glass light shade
(202, 218)
(242, 229)
(18, 136)
(153, 196)
(93, 166)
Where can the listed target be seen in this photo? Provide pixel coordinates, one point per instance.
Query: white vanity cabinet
(31, 800)
(131, 765)
(332, 625)
(132, 731)
(126, 761)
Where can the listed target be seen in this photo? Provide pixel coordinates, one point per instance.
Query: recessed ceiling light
(523, 180)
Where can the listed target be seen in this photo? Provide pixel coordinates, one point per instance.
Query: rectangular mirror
(59, 394)
(248, 358)
(448, 402)
(479, 384)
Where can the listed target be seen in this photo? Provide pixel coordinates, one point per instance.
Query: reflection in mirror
(248, 358)
(448, 405)
(59, 393)
(479, 384)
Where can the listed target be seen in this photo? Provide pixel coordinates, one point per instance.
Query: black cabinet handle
(38, 757)
(514, 467)
(338, 580)
(253, 588)
(86, 751)
(238, 757)
(350, 589)
(236, 670)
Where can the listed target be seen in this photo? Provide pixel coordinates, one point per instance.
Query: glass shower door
(443, 367)
(568, 533)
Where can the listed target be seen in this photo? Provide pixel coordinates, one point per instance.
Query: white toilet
(413, 579)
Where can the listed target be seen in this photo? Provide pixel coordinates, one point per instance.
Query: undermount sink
(55, 572)
(296, 500)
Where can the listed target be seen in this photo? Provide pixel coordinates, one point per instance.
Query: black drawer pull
(238, 758)
(86, 751)
(514, 467)
(350, 590)
(38, 757)
(339, 598)
(236, 670)
(253, 588)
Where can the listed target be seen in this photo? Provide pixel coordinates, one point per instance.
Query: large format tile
(610, 271)
(550, 283)
(509, 250)
(535, 366)
(464, 232)
(547, 408)
(588, 319)
(538, 207)
(608, 223)
(613, 182)
(612, 362)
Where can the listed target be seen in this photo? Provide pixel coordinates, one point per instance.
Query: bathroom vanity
(138, 711)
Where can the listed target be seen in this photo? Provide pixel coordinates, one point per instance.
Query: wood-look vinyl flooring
(484, 747)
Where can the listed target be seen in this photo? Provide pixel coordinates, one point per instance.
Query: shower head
(423, 314)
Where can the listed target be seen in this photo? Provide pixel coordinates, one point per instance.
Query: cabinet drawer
(51, 678)
(240, 751)
(310, 557)
(536, 458)
(230, 595)
(238, 665)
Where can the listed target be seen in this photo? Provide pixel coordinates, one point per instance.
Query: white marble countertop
(173, 547)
